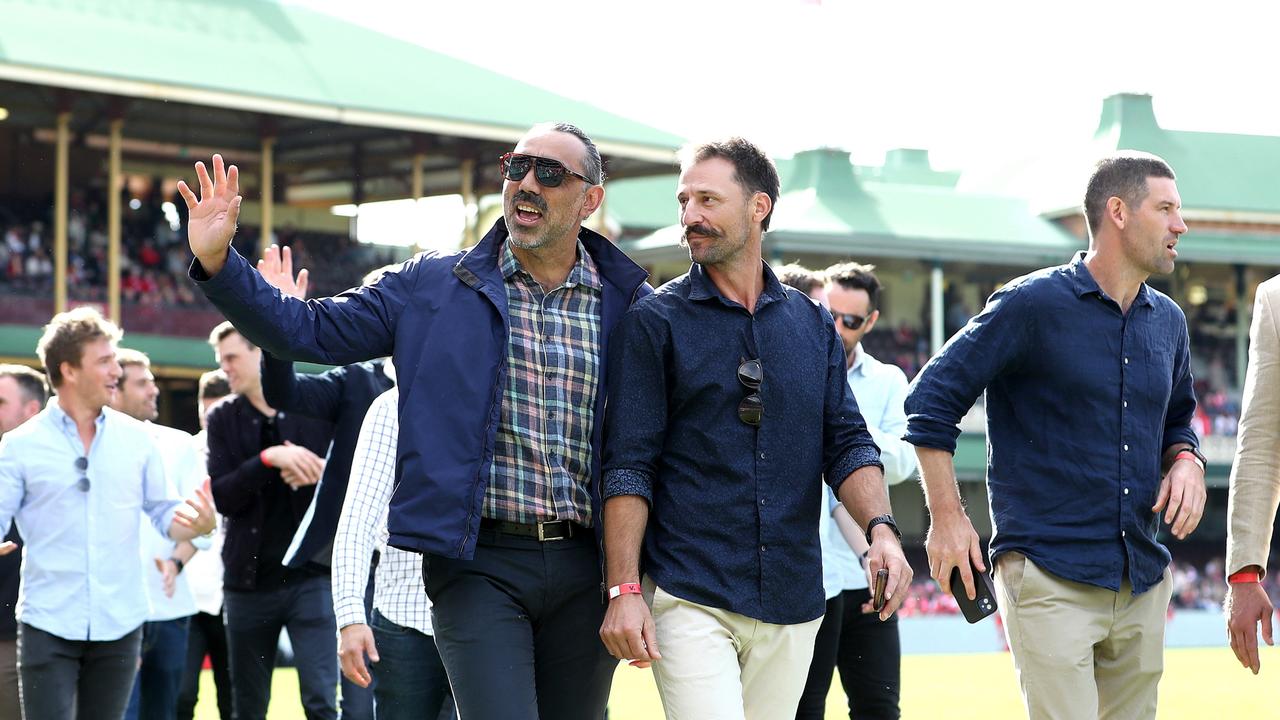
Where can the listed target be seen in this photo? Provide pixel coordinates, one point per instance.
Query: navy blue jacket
(340, 396)
(443, 319)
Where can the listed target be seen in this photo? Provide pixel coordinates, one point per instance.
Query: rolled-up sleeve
(635, 419)
(992, 342)
(1182, 399)
(846, 444)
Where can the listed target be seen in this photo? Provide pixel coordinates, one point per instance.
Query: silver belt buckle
(542, 537)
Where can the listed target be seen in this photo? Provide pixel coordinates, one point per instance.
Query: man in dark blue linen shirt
(1089, 401)
(727, 406)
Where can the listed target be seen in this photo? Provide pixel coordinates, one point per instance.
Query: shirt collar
(702, 288)
(1084, 284)
(584, 271)
(859, 361)
(64, 421)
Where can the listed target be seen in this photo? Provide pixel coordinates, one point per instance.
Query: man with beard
(499, 351)
(1089, 401)
(727, 408)
(83, 602)
(164, 636)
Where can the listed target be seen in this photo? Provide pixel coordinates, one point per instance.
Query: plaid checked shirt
(398, 592)
(542, 455)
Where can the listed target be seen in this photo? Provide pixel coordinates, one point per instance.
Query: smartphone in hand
(877, 598)
(982, 605)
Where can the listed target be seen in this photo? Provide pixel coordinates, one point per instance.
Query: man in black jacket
(264, 467)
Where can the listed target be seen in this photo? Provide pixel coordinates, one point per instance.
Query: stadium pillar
(61, 177)
(471, 208)
(1244, 313)
(418, 159)
(113, 220)
(266, 183)
(936, 311)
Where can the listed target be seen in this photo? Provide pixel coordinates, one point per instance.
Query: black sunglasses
(751, 409)
(851, 321)
(548, 172)
(82, 464)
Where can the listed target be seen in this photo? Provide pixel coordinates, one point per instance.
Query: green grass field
(1198, 683)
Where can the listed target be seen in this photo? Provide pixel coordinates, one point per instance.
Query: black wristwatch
(883, 520)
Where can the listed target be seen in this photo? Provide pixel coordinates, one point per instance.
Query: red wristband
(262, 457)
(1188, 455)
(625, 589)
(1244, 576)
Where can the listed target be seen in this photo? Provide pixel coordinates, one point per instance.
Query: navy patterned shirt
(1082, 401)
(734, 508)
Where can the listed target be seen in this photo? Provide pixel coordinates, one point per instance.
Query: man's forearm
(625, 519)
(938, 478)
(864, 494)
(1170, 454)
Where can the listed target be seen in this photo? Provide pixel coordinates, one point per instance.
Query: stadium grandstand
(97, 128)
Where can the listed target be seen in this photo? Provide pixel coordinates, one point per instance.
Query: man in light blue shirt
(867, 652)
(75, 478)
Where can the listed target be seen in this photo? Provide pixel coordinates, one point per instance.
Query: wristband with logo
(625, 589)
(1244, 576)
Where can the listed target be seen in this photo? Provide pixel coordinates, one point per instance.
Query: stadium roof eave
(293, 108)
(661, 246)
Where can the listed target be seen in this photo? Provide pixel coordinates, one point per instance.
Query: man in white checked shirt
(411, 677)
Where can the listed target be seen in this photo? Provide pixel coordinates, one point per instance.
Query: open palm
(212, 217)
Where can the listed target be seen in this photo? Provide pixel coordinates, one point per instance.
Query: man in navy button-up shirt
(1089, 400)
(727, 406)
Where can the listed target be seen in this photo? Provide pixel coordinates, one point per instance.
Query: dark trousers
(254, 620)
(206, 636)
(868, 654)
(10, 709)
(65, 679)
(164, 656)
(412, 684)
(528, 614)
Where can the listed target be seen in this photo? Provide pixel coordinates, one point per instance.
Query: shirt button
(763, 548)
(762, 456)
(1124, 403)
(1126, 448)
(1122, 533)
(761, 501)
(1126, 491)
(1126, 361)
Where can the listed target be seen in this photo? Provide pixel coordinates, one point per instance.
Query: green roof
(1221, 172)
(286, 60)
(914, 212)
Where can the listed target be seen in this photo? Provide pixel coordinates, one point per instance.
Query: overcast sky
(967, 80)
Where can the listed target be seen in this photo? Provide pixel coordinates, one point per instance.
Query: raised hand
(276, 267)
(202, 522)
(211, 218)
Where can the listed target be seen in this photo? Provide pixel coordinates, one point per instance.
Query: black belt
(543, 531)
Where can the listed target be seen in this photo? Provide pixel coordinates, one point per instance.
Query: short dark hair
(1123, 175)
(30, 382)
(799, 277)
(752, 168)
(592, 164)
(856, 276)
(65, 336)
(224, 329)
(213, 385)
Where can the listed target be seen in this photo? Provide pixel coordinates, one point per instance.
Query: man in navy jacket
(500, 355)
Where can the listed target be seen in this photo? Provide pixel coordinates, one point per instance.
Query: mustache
(700, 229)
(529, 198)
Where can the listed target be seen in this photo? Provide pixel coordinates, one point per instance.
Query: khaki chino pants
(719, 665)
(1082, 651)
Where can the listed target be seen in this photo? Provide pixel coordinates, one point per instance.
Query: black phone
(982, 605)
(882, 580)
